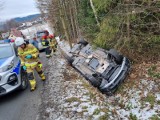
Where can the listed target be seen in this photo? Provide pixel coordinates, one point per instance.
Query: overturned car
(103, 69)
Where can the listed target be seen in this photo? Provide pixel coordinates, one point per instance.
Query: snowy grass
(133, 100)
(71, 97)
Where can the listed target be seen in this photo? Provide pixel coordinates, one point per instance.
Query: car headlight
(7, 67)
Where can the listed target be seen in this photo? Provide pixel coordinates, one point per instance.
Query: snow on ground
(68, 96)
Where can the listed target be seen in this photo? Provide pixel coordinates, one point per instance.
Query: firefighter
(46, 44)
(28, 55)
(53, 43)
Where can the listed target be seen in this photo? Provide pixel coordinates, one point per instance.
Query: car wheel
(116, 55)
(83, 42)
(24, 80)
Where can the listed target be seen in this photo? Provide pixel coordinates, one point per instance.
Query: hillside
(130, 26)
(27, 18)
(67, 95)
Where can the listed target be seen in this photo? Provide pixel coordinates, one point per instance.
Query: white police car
(12, 77)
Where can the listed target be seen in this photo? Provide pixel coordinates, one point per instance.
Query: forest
(130, 26)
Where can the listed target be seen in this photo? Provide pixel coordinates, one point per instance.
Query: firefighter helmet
(19, 41)
(51, 36)
(44, 37)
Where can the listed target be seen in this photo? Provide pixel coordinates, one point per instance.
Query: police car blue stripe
(17, 68)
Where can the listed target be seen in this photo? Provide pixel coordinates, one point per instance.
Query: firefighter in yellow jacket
(29, 60)
(49, 42)
(46, 45)
(53, 43)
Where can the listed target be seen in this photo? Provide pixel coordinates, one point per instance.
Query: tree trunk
(72, 17)
(64, 23)
(75, 17)
(95, 13)
(128, 24)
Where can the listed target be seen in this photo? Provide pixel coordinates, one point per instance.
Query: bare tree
(10, 24)
(95, 13)
(64, 23)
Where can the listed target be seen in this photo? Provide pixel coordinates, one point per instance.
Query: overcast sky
(17, 8)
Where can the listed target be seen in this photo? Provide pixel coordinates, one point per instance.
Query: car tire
(24, 80)
(116, 55)
(83, 42)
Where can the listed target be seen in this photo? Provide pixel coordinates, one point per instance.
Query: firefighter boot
(43, 77)
(32, 84)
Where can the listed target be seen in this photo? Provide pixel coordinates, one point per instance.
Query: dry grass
(73, 99)
(145, 71)
(69, 75)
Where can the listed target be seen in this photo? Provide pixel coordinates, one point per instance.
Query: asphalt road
(22, 105)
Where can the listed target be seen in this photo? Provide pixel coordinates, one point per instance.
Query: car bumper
(11, 81)
(116, 78)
